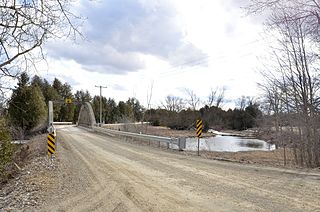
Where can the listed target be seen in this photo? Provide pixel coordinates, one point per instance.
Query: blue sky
(175, 45)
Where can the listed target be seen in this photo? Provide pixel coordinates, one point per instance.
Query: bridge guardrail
(180, 142)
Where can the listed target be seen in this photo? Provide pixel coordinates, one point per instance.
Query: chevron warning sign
(199, 127)
(51, 144)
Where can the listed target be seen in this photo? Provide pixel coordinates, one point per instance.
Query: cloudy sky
(170, 45)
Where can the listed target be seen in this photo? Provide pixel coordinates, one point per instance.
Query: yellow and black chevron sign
(51, 144)
(199, 126)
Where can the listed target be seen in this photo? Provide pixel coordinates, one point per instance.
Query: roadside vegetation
(291, 82)
(24, 28)
(6, 148)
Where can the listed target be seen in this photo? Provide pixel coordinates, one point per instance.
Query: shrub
(6, 148)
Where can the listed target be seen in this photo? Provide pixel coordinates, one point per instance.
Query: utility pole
(100, 101)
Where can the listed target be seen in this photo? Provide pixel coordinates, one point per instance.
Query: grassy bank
(22, 153)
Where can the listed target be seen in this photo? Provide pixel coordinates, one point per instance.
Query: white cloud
(118, 33)
(198, 44)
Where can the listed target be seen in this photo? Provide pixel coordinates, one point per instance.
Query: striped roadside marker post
(199, 126)
(51, 144)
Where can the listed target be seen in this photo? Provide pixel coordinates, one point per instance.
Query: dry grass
(270, 158)
(24, 153)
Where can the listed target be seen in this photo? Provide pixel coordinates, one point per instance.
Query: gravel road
(99, 173)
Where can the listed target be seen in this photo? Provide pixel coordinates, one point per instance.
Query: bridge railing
(180, 142)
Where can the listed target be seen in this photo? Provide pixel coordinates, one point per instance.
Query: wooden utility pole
(100, 101)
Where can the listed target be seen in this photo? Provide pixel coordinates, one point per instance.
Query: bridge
(87, 119)
(86, 115)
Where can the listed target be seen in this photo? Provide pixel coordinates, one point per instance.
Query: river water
(228, 144)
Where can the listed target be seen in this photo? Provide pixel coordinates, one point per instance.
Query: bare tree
(193, 100)
(216, 97)
(149, 95)
(272, 100)
(292, 87)
(241, 102)
(308, 10)
(173, 103)
(26, 25)
(245, 101)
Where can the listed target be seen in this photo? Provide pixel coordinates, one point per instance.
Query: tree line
(27, 109)
(176, 115)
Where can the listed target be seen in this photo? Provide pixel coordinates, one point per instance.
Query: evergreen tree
(111, 111)
(66, 112)
(83, 96)
(125, 112)
(57, 85)
(137, 110)
(49, 93)
(37, 81)
(27, 108)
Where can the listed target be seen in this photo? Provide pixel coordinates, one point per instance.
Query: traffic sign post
(51, 139)
(199, 126)
(51, 144)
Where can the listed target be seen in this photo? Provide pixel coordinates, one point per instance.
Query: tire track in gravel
(230, 180)
(129, 180)
(92, 198)
(124, 177)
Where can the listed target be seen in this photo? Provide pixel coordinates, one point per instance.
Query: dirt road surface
(101, 173)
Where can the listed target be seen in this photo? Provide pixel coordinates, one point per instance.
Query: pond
(228, 144)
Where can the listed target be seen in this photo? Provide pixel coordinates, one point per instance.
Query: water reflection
(228, 144)
(251, 144)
